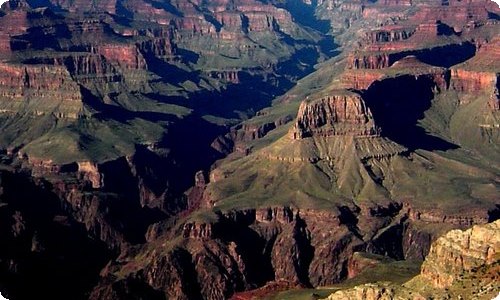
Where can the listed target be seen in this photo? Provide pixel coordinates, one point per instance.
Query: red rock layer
(126, 56)
(467, 81)
(335, 114)
(455, 16)
(44, 86)
(86, 6)
(359, 79)
(160, 47)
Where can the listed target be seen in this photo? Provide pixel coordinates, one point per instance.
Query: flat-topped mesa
(391, 38)
(412, 65)
(338, 113)
(359, 79)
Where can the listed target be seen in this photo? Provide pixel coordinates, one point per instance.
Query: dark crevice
(494, 213)
(254, 249)
(305, 251)
(42, 245)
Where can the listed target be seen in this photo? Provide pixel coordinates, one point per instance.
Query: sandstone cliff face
(461, 263)
(461, 251)
(108, 6)
(89, 172)
(473, 82)
(45, 89)
(127, 56)
(238, 250)
(454, 15)
(336, 114)
(161, 47)
(366, 292)
(479, 76)
(359, 80)
(369, 61)
(224, 20)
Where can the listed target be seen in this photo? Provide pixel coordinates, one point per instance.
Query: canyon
(239, 148)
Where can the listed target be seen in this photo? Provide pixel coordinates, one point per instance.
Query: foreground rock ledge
(460, 265)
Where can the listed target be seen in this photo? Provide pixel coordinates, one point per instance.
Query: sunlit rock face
(334, 114)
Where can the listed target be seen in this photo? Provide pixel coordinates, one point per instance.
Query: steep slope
(461, 264)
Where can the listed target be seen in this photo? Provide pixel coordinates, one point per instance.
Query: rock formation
(339, 113)
(460, 264)
(461, 251)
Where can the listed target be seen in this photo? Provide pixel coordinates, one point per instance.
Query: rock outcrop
(460, 252)
(461, 264)
(339, 113)
(473, 82)
(255, 246)
(44, 89)
(366, 292)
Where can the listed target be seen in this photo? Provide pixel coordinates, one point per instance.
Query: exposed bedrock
(41, 88)
(461, 264)
(442, 56)
(245, 249)
(339, 113)
(461, 251)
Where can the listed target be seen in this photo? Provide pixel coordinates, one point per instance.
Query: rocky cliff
(44, 89)
(254, 246)
(335, 114)
(460, 264)
(460, 252)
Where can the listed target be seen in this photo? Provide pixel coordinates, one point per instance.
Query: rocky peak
(337, 113)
